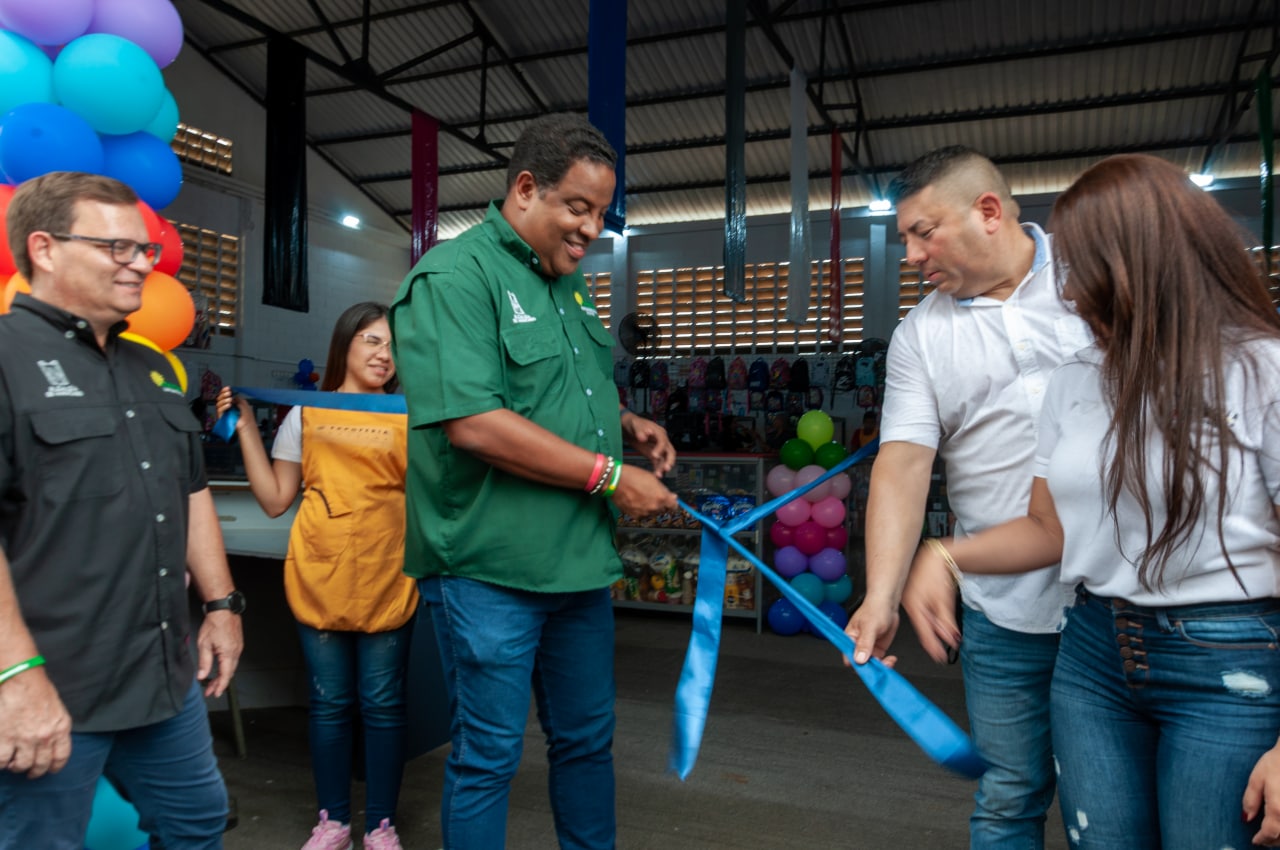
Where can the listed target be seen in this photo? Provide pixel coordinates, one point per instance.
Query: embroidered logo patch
(520, 317)
(159, 381)
(584, 304)
(59, 385)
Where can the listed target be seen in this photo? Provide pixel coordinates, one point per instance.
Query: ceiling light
(1204, 181)
(879, 205)
(350, 221)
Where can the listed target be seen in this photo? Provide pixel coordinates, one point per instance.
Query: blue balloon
(784, 618)
(144, 163)
(809, 586)
(834, 613)
(113, 824)
(837, 591)
(36, 138)
(26, 74)
(109, 82)
(164, 126)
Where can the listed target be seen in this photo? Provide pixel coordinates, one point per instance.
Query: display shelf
(660, 560)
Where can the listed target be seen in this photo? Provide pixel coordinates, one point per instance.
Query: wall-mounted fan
(639, 334)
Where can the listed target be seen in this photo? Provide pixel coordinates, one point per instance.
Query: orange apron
(344, 568)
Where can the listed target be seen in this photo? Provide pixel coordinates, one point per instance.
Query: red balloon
(782, 534)
(837, 538)
(167, 314)
(7, 265)
(810, 538)
(163, 231)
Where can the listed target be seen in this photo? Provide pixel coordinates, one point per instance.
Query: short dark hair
(942, 164)
(550, 144)
(354, 319)
(48, 203)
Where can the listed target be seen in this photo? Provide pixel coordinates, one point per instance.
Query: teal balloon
(837, 591)
(796, 453)
(809, 586)
(26, 73)
(815, 428)
(113, 825)
(164, 126)
(109, 82)
(829, 454)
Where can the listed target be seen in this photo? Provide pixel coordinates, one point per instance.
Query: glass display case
(660, 555)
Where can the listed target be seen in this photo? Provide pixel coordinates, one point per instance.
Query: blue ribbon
(924, 722)
(225, 427)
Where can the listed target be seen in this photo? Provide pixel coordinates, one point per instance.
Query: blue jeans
(497, 646)
(346, 667)
(1007, 675)
(1159, 715)
(166, 769)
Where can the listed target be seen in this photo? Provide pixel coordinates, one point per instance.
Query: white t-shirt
(1072, 429)
(968, 378)
(288, 442)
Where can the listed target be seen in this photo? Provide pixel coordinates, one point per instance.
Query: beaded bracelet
(613, 482)
(595, 473)
(21, 667)
(941, 551)
(603, 481)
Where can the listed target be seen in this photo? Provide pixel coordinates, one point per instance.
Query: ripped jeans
(1158, 717)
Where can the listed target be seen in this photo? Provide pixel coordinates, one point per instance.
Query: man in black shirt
(104, 508)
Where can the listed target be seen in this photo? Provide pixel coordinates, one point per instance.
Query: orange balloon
(15, 284)
(7, 266)
(167, 313)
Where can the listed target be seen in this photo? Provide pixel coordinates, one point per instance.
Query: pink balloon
(809, 473)
(810, 538)
(794, 512)
(837, 538)
(840, 485)
(828, 513)
(781, 479)
(782, 534)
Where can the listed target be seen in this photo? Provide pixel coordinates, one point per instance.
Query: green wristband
(20, 667)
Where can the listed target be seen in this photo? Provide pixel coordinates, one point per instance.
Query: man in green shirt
(515, 451)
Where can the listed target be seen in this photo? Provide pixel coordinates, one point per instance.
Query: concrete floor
(796, 755)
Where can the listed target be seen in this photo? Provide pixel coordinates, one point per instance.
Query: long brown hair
(354, 319)
(1160, 273)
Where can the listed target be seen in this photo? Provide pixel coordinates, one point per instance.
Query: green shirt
(477, 328)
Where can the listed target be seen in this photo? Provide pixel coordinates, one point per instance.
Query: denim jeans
(497, 646)
(167, 769)
(1007, 675)
(1159, 715)
(346, 667)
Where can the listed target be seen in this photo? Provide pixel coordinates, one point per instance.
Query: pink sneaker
(328, 835)
(382, 838)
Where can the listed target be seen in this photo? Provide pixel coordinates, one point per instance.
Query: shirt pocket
(534, 366)
(77, 454)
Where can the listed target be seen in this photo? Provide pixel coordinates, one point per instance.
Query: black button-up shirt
(98, 456)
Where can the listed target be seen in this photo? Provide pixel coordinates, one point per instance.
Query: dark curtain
(285, 274)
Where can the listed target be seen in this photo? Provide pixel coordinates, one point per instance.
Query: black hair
(550, 144)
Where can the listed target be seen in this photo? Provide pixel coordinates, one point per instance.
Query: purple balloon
(153, 25)
(810, 538)
(47, 21)
(794, 513)
(789, 562)
(782, 534)
(36, 138)
(827, 564)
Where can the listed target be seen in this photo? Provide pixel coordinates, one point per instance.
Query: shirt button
(588, 390)
(561, 311)
(146, 464)
(129, 414)
(575, 349)
(163, 572)
(1022, 346)
(70, 334)
(82, 324)
(599, 432)
(534, 261)
(159, 517)
(164, 625)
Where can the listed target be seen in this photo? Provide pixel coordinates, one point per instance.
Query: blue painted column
(607, 92)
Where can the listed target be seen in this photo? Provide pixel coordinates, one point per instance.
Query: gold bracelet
(941, 551)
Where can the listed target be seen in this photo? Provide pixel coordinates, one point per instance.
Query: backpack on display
(658, 377)
(737, 378)
(779, 374)
(698, 373)
(715, 374)
(639, 375)
(844, 379)
(622, 373)
(819, 372)
(798, 381)
(758, 375)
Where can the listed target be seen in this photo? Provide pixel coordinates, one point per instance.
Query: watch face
(236, 602)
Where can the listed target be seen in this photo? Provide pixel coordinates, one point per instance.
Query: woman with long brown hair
(1157, 480)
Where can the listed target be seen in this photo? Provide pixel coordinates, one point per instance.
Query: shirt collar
(507, 238)
(1041, 239)
(64, 321)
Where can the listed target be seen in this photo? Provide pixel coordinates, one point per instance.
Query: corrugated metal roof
(1044, 88)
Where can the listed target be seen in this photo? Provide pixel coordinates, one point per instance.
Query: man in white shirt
(967, 371)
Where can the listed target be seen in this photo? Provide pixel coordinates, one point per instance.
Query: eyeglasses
(123, 251)
(374, 341)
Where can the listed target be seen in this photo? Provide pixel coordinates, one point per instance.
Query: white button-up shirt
(967, 378)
